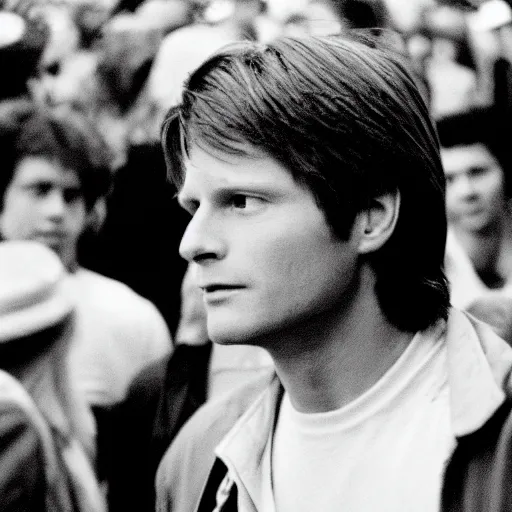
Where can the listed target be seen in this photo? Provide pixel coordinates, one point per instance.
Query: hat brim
(39, 317)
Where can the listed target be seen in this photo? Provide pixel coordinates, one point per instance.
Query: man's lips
(220, 287)
(51, 236)
(472, 211)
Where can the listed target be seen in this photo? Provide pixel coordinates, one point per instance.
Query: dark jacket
(160, 399)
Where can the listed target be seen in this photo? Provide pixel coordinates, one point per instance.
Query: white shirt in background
(117, 334)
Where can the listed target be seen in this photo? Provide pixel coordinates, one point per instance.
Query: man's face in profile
(265, 257)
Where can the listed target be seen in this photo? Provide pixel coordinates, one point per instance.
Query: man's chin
(238, 335)
(476, 222)
(229, 334)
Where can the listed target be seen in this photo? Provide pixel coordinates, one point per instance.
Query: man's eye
(53, 69)
(477, 171)
(71, 195)
(40, 189)
(245, 204)
(239, 201)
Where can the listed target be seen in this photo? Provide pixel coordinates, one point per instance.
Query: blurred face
(263, 252)
(44, 203)
(474, 187)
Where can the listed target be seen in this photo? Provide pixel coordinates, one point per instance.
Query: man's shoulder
(185, 466)
(22, 428)
(21, 458)
(226, 409)
(109, 295)
(100, 284)
(13, 395)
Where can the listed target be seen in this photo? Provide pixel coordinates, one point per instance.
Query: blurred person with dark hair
(476, 162)
(55, 174)
(311, 171)
(50, 150)
(46, 428)
(102, 83)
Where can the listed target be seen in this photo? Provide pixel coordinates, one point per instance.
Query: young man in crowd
(476, 163)
(312, 173)
(55, 169)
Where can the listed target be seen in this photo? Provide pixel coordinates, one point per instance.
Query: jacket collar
(242, 449)
(479, 366)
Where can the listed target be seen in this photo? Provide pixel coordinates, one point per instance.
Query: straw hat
(33, 289)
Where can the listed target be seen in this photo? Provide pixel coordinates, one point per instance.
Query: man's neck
(338, 357)
(488, 249)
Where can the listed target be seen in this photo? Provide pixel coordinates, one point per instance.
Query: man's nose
(202, 240)
(55, 204)
(465, 187)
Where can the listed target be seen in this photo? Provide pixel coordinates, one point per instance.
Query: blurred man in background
(55, 170)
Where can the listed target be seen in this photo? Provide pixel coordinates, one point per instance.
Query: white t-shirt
(385, 451)
(117, 334)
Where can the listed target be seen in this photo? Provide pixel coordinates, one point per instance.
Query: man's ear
(96, 216)
(377, 223)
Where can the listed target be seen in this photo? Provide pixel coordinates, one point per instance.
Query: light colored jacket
(478, 477)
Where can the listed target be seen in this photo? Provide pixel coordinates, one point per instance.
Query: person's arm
(22, 474)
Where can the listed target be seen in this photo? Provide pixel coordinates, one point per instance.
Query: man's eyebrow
(36, 182)
(230, 186)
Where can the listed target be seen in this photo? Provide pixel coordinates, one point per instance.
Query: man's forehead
(229, 151)
(42, 168)
(460, 158)
(215, 169)
(242, 160)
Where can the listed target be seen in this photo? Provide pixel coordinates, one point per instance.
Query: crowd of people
(247, 247)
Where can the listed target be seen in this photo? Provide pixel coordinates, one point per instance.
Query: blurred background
(121, 65)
